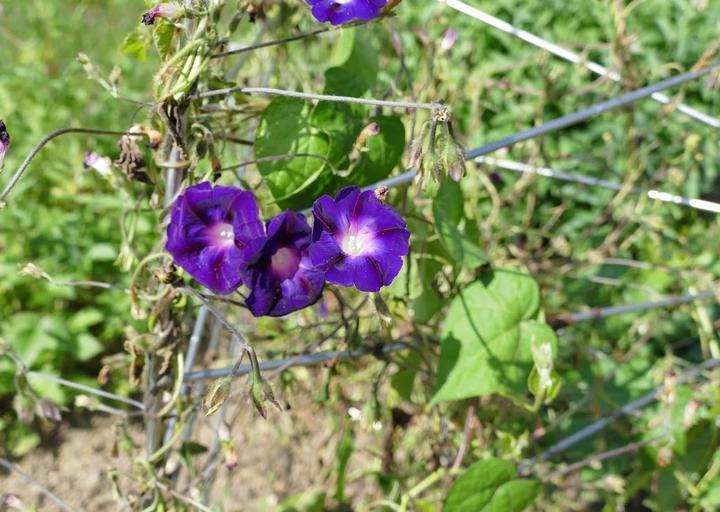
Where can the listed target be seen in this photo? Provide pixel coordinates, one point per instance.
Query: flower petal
(325, 251)
(367, 275)
(328, 216)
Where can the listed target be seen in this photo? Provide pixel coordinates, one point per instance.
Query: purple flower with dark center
(338, 12)
(4, 141)
(213, 232)
(281, 275)
(162, 10)
(358, 240)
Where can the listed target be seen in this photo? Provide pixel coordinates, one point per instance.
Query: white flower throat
(352, 245)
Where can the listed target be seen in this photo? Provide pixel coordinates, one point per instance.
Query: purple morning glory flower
(4, 141)
(281, 275)
(213, 231)
(342, 11)
(358, 240)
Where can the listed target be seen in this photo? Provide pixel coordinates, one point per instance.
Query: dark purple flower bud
(338, 12)
(4, 141)
(281, 276)
(213, 232)
(496, 179)
(358, 240)
(162, 10)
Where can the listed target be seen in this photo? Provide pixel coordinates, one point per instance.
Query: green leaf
(285, 129)
(448, 214)
(487, 337)
(491, 486)
(85, 318)
(404, 379)
(355, 53)
(383, 154)
(102, 252)
(345, 449)
(87, 347)
(136, 45)
(291, 126)
(21, 439)
(163, 36)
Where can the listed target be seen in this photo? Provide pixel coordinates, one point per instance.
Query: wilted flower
(358, 240)
(162, 10)
(448, 40)
(342, 11)
(281, 276)
(4, 141)
(212, 233)
(101, 164)
(11, 502)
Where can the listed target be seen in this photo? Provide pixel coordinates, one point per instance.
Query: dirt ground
(291, 452)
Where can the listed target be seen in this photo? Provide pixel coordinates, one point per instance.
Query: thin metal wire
(570, 56)
(39, 486)
(574, 118)
(595, 110)
(560, 321)
(628, 408)
(190, 355)
(305, 360)
(87, 389)
(657, 195)
(600, 313)
(50, 136)
(319, 97)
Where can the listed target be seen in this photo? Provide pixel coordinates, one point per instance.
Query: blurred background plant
(585, 247)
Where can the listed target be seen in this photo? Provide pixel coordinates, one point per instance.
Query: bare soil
(291, 452)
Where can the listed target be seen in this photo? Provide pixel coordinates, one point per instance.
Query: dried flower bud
(454, 160)
(227, 447)
(689, 413)
(162, 10)
(664, 456)
(132, 159)
(431, 166)
(172, 464)
(448, 41)
(381, 193)
(369, 131)
(397, 42)
(254, 11)
(154, 137)
(101, 164)
(32, 270)
(48, 410)
(23, 408)
(382, 310)
(261, 392)
(4, 141)
(86, 402)
(217, 396)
